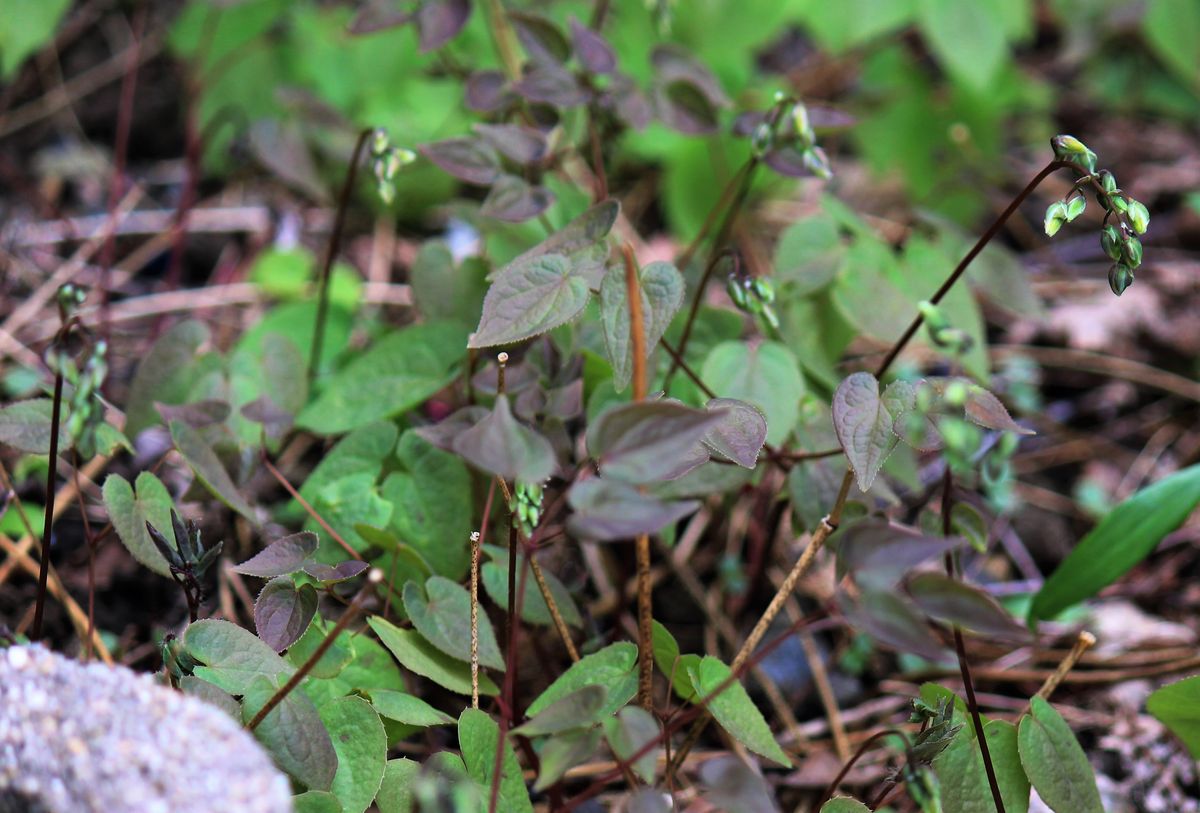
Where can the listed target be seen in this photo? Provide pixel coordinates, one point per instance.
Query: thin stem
(51, 476)
(335, 242)
(645, 605)
(503, 40)
(961, 650)
(560, 623)
(958, 271)
(868, 743)
(1083, 643)
(475, 550)
(375, 576)
(312, 512)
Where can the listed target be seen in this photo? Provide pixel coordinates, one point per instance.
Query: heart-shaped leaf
(530, 298)
(129, 514)
(648, 441)
(606, 511)
(283, 612)
(501, 445)
(281, 557)
(865, 422)
(467, 159)
(662, 289)
(740, 433)
(442, 613)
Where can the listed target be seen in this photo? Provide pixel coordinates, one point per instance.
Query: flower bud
(803, 124)
(1131, 252)
(817, 163)
(1069, 148)
(1120, 277)
(1056, 216)
(1075, 207)
(1110, 240)
(1108, 181)
(1139, 217)
(764, 289)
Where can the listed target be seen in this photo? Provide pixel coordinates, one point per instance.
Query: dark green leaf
(582, 707)
(728, 702)
(396, 791)
(407, 709)
(662, 289)
(530, 297)
(501, 445)
(563, 752)
(963, 778)
(1054, 762)
(442, 613)
(25, 425)
(292, 733)
(844, 804)
(478, 739)
(316, 801)
(361, 746)
(533, 609)
(442, 290)
(1122, 539)
(283, 612)
(208, 468)
(766, 375)
(164, 375)
(955, 602)
(612, 668)
(628, 733)
(583, 232)
(281, 557)
(232, 656)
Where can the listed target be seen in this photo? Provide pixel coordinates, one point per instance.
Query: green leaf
(292, 733)
(418, 655)
(967, 39)
(844, 804)
(662, 289)
(283, 612)
(208, 468)
(396, 374)
(582, 707)
(432, 505)
(766, 375)
(396, 792)
(346, 503)
(1054, 762)
(529, 298)
(963, 778)
(649, 441)
(675, 667)
(370, 667)
(361, 746)
(442, 613)
(734, 709)
(164, 375)
(1172, 28)
(442, 290)
(478, 739)
(808, 255)
(533, 609)
(329, 665)
(1129, 534)
(316, 801)
(564, 751)
(25, 425)
(501, 445)
(407, 709)
(612, 667)
(233, 657)
(1177, 706)
(30, 25)
(865, 422)
(627, 733)
(129, 515)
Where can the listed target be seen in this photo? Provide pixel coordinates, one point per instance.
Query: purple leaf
(865, 422)
(513, 200)
(341, 572)
(196, 415)
(282, 612)
(467, 159)
(282, 150)
(672, 64)
(649, 441)
(552, 85)
(378, 15)
(877, 553)
(530, 298)
(740, 434)
(628, 102)
(522, 144)
(281, 557)
(891, 620)
(593, 50)
(487, 91)
(541, 38)
(439, 21)
(442, 434)
(954, 602)
(683, 106)
(500, 445)
(606, 511)
(985, 409)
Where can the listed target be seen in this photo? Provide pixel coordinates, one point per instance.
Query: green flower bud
(762, 140)
(1120, 277)
(932, 315)
(1069, 148)
(1056, 216)
(803, 125)
(1139, 217)
(1110, 240)
(1119, 203)
(1131, 252)
(1075, 207)
(764, 289)
(1007, 445)
(818, 163)
(956, 393)
(1108, 181)
(737, 292)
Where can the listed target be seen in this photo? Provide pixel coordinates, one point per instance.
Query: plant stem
(1083, 643)
(958, 271)
(374, 576)
(51, 477)
(961, 650)
(846, 768)
(335, 242)
(637, 339)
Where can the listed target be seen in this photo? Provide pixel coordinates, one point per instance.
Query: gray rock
(90, 738)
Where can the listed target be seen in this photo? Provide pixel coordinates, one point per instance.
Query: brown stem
(312, 512)
(961, 650)
(335, 242)
(959, 269)
(375, 576)
(868, 743)
(51, 476)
